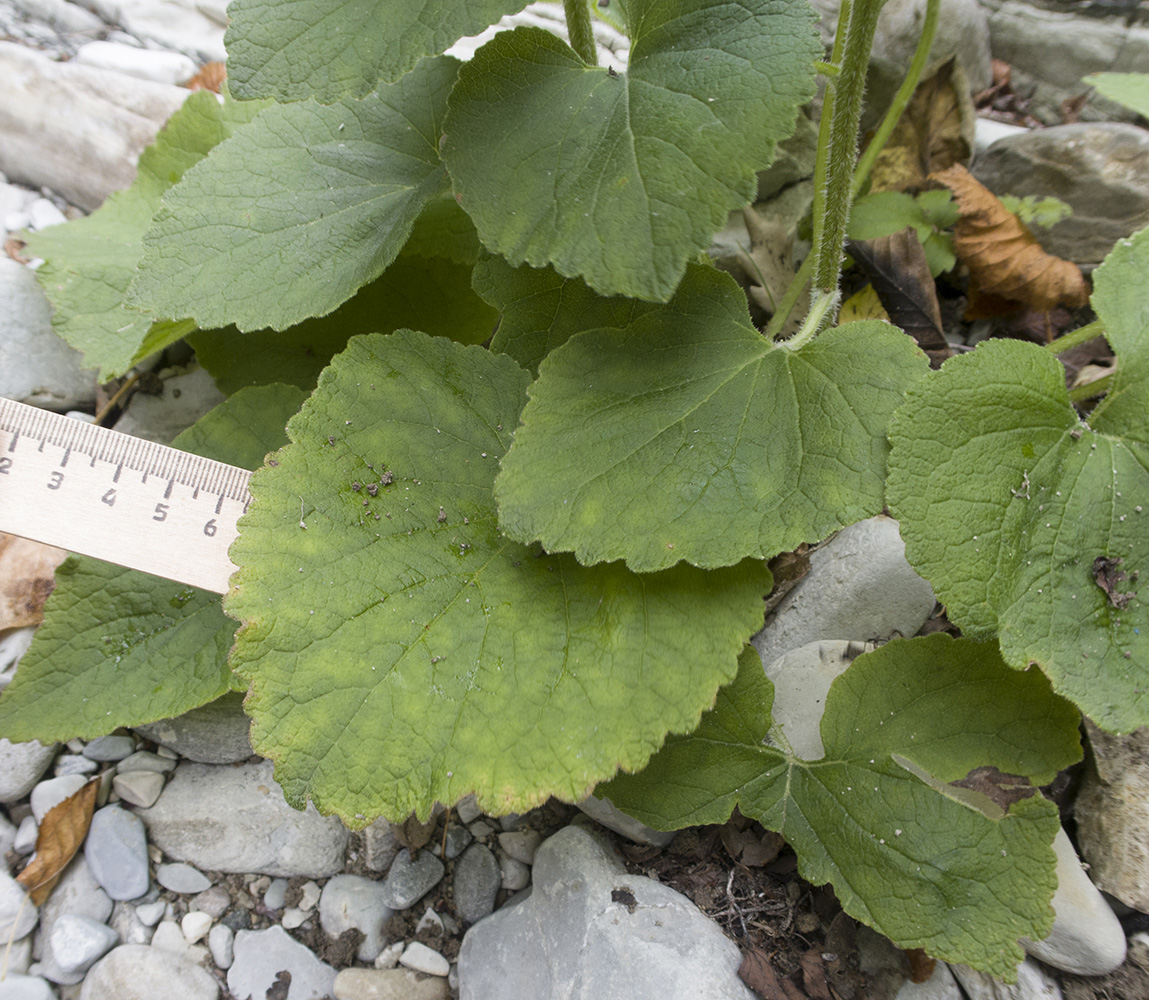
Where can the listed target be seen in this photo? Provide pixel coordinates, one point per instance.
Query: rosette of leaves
(1030, 521)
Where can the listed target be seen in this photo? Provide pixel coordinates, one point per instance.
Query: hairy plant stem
(579, 28)
(822, 310)
(844, 108)
(1080, 393)
(866, 163)
(901, 99)
(1082, 335)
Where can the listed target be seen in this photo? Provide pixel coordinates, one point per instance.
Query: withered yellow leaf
(62, 831)
(934, 132)
(1003, 256)
(27, 576)
(863, 304)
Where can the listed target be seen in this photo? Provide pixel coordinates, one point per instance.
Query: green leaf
(401, 651)
(1015, 510)
(907, 854)
(121, 648)
(540, 309)
(1130, 89)
(89, 263)
(295, 49)
(298, 210)
(427, 288)
(1044, 212)
(620, 179)
(688, 436)
(886, 212)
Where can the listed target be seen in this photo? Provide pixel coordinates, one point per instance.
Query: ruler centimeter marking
(128, 501)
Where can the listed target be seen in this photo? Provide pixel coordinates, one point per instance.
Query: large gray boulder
(235, 819)
(1100, 169)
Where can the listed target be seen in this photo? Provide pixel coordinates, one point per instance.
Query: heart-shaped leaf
(620, 179)
(401, 651)
(298, 210)
(1030, 523)
(688, 436)
(927, 864)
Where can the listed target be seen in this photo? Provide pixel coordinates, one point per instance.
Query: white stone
(1087, 938)
(147, 64)
(420, 958)
(26, 834)
(521, 845)
(36, 366)
(42, 214)
(126, 922)
(516, 875)
(275, 896)
(859, 586)
(145, 760)
(18, 987)
(183, 400)
(215, 733)
(18, 914)
(56, 116)
(151, 914)
(109, 748)
(221, 944)
(351, 901)
(988, 130)
(1033, 983)
(76, 894)
(182, 878)
(261, 955)
(77, 943)
(606, 813)
(389, 956)
(940, 986)
(49, 794)
(195, 926)
(139, 788)
(15, 221)
(169, 937)
(802, 679)
(7, 835)
(136, 972)
(22, 764)
(293, 917)
(467, 810)
(309, 895)
(67, 18)
(430, 921)
(170, 24)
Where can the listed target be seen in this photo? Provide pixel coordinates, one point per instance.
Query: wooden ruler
(122, 499)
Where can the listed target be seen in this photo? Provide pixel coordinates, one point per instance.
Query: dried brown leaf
(921, 965)
(210, 77)
(814, 976)
(412, 834)
(934, 132)
(62, 831)
(27, 576)
(1003, 256)
(770, 264)
(1107, 576)
(1002, 788)
(896, 266)
(757, 973)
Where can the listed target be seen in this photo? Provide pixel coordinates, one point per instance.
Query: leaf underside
(121, 648)
(1007, 501)
(620, 179)
(400, 651)
(688, 436)
(299, 209)
(906, 853)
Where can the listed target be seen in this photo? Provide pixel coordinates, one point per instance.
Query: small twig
(114, 401)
